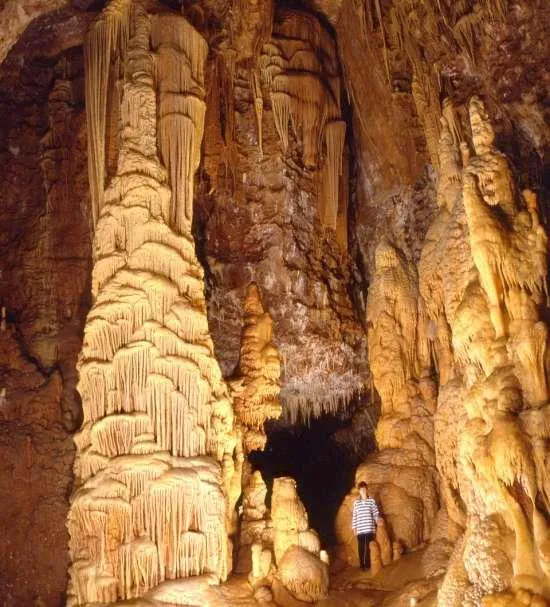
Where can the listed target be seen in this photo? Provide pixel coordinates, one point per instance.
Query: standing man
(364, 520)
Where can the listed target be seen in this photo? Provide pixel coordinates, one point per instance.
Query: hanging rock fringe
(105, 45)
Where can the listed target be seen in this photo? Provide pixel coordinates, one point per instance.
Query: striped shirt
(365, 515)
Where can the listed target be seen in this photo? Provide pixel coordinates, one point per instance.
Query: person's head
(362, 489)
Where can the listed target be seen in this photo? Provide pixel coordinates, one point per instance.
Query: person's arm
(354, 517)
(376, 512)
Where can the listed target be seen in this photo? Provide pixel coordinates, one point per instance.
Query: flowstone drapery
(483, 278)
(402, 474)
(149, 503)
(305, 95)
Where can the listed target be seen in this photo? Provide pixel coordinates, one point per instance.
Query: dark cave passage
(322, 467)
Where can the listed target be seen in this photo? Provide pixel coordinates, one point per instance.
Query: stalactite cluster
(305, 94)
(264, 221)
(150, 501)
(179, 64)
(421, 30)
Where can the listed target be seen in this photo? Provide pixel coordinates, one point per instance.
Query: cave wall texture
(380, 170)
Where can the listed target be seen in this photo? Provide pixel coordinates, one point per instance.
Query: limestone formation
(278, 547)
(305, 95)
(296, 547)
(290, 203)
(263, 213)
(492, 340)
(290, 520)
(304, 575)
(255, 533)
(375, 558)
(383, 541)
(255, 389)
(399, 361)
(149, 503)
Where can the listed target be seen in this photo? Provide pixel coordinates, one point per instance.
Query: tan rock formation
(303, 574)
(256, 388)
(305, 94)
(508, 599)
(262, 219)
(255, 533)
(278, 547)
(289, 516)
(383, 541)
(490, 337)
(149, 503)
(375, 558)
(296, 547)
(362, 104)
(402, 475)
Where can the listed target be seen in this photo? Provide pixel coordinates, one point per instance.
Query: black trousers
(363, 541)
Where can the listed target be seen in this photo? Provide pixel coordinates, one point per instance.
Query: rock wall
(498, 363)
(44, 297)
(476, 304)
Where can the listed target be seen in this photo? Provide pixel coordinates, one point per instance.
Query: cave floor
(394, 586)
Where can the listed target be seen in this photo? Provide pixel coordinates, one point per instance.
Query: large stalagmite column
(149, 503)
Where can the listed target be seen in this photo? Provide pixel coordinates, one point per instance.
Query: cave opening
(320, 457)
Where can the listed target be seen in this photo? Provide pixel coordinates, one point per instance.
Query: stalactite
(465, 29)
(105, 44)
(335, 135)
(180, 57)
(311, 402)
(343, 201)
(463, 20)
(258, 107)
(449, 114)
(400, 369)
(427, 106)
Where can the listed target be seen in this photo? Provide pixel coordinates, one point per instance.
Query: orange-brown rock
(379, 171)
